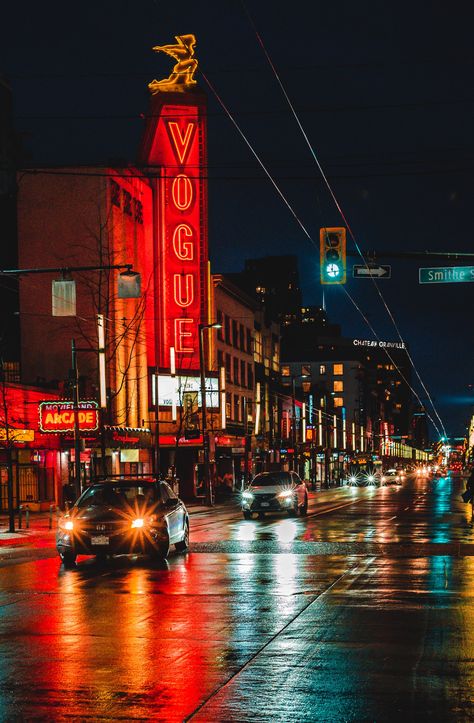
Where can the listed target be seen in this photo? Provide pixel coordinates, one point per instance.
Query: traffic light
(332, 254)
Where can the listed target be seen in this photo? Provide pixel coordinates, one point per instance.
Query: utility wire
(342, 214)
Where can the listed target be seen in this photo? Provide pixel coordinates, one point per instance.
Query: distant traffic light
(332, 254)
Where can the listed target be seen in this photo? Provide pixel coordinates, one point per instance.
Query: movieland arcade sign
(58, 416)
(175, 144)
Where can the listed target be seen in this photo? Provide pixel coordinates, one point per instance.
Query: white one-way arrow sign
(367, 272)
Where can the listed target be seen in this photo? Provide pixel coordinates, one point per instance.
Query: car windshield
(118, 495)
(270, 480)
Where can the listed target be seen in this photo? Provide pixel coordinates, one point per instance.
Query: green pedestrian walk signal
(332, 255)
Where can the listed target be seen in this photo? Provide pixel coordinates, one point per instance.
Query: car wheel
(304, 507)
(68, 558)
(184, 544)
(247, 514)
(162, 549)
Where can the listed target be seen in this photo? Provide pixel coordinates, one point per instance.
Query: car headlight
(139, 522)
(247, 495)
(285, 494)
(352, 479)
(66, 524)
(371, 478)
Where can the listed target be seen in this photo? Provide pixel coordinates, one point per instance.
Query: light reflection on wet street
(361, 611)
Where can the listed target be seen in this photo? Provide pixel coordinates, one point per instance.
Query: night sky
(384, 92)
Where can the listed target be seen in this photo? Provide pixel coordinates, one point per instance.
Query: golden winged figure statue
(181, 77)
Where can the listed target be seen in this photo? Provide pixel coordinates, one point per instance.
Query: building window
(306, 370)
(338, 386)
(285, 371)
(306, 387)
(228, 405)
(249, 376)
(115, 194)
(138, 211)
(236, 408)
(338, 369)
(338, 401)
(249, 341)
(236, 370)
(322, 369)
(258, 351)
(235, 335)
(127, 202)
(227, 328)
(242, 373)
(220, 359)
(228, 369)
(241, 337)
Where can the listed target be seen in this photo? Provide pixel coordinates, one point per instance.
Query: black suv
(123, 516)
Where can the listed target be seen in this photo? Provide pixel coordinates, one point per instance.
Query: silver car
(275, 492)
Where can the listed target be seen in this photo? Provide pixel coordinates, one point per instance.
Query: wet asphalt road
(364, 610)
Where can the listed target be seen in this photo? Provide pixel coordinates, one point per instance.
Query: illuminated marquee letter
(182, 192)
(181, 142)
(184, 250)
(181, 334)
(186, 297)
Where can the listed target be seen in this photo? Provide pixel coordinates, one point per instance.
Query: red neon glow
(180, 334)
(182, 192)
(183, 249)
(184, 298)
(181, 142)
(175, 141)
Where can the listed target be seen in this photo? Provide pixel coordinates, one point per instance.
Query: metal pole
(157, 425)
(77, 439)
(205, 441)
(293, 422)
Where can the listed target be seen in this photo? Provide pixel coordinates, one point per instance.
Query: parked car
(123, 516)
(275, 492)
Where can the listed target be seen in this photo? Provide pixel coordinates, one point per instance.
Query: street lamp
(205, 439)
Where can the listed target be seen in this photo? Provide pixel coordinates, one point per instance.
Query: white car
(275, 492)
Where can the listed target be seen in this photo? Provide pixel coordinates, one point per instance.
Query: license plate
(265, 504)
(99, 540)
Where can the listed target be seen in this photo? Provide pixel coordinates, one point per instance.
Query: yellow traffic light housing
(332, 255)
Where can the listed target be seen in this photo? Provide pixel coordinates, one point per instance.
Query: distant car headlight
(139, 522)
(383, 479)
(352, 479)
(66, 524)
(247, 495)
(371, 478)
(285, 494)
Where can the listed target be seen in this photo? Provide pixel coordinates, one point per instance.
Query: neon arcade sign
(59, 416)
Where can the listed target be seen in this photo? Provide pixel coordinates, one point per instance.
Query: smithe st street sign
(446, 275)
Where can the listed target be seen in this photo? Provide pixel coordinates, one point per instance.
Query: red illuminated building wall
(174, 149)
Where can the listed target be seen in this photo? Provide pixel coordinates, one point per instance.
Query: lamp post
(205, 439)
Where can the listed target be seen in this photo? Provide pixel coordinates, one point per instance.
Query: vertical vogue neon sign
(180, 149)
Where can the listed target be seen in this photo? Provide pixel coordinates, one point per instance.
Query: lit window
(322, 369)
(306, 387)
(338, 386)
(306, 370)
(338, 369)
(285, 371)
(338, 402)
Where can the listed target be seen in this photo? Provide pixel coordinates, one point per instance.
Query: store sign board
(176, 390)
(58, 416)
(179, 149)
